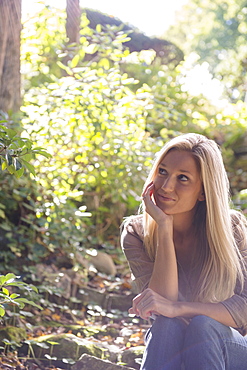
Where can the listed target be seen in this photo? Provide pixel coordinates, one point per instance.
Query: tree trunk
(73, 21)
(10, 31)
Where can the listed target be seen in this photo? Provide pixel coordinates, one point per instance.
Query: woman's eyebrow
(185, 171)
(181, 170)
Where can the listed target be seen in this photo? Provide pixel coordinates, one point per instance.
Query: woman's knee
(163, 322)
(205, 323)
(201, 322)
(204, 326)
(167, 326)
(164, 343)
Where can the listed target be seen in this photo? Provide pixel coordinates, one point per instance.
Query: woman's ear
(201, 196)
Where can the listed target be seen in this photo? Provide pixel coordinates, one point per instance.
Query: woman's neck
(183, 225)
(184, 234)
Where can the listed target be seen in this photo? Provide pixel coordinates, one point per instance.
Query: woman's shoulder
(239, 224)
(133, 225)
(238, 217)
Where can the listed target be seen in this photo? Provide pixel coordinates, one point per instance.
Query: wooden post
(73, 21)
(10, 79)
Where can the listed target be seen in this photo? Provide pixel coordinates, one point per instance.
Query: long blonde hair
(219, 230)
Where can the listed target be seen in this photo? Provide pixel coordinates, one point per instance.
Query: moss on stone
(69, 346)
(12, 334)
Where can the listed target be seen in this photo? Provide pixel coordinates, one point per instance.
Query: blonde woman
(187, 253)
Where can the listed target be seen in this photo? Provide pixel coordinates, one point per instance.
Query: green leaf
(19, 303)
(11, 133)
(74, 61)
(20, 172)
(52, 343)
(61, 65)
(4, 165)
(98, 28)
(104, 62)
(2, 311)
(33, 288)
(4, 279)
(5, 226)
(27, 157)
(92, 48)
(10, 277)
(22, 285)
(14, 295)
(42, 152)
(23, 301)
(5, 291)
(67, 69)
(11, 169)
(30, 167)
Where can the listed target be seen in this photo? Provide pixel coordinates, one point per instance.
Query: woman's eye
(162, 171)
(183, 178)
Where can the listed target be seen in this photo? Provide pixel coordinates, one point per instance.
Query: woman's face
(177, 184)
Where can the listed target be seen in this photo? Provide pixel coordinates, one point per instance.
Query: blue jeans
(204, 344)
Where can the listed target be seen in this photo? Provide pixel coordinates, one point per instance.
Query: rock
(107, 301)
(12, 334)
(44, 271)
(103, 263)
(97, 331)
(63, 284)
(65, 281)
(70, 347)
(87, 362)
(81, 260)
(132, 356)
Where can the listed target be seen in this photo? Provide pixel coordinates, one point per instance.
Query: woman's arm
(216, 311)
(149, 302)
(141, 266)
(164, 279)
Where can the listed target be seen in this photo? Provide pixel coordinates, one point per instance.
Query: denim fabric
(204, 344)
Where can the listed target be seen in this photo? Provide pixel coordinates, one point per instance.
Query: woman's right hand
(152, 209)
(149, 302)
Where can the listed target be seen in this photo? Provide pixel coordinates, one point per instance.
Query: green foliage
(16, 152)
(43, 44)
(216, 31)
(18, 226)
(94, 126)
(7, 298)
(32, 229)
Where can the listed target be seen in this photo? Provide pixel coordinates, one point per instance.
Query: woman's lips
(166, 198)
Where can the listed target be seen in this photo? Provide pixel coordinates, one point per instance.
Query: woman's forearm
(164, 280)
(149, 302)
(216, 311)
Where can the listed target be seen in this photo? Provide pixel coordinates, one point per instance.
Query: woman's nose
(168, 184)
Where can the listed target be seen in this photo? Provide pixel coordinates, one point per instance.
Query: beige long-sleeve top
(141, 267)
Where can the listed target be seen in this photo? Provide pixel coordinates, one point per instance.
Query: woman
(187, 252)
